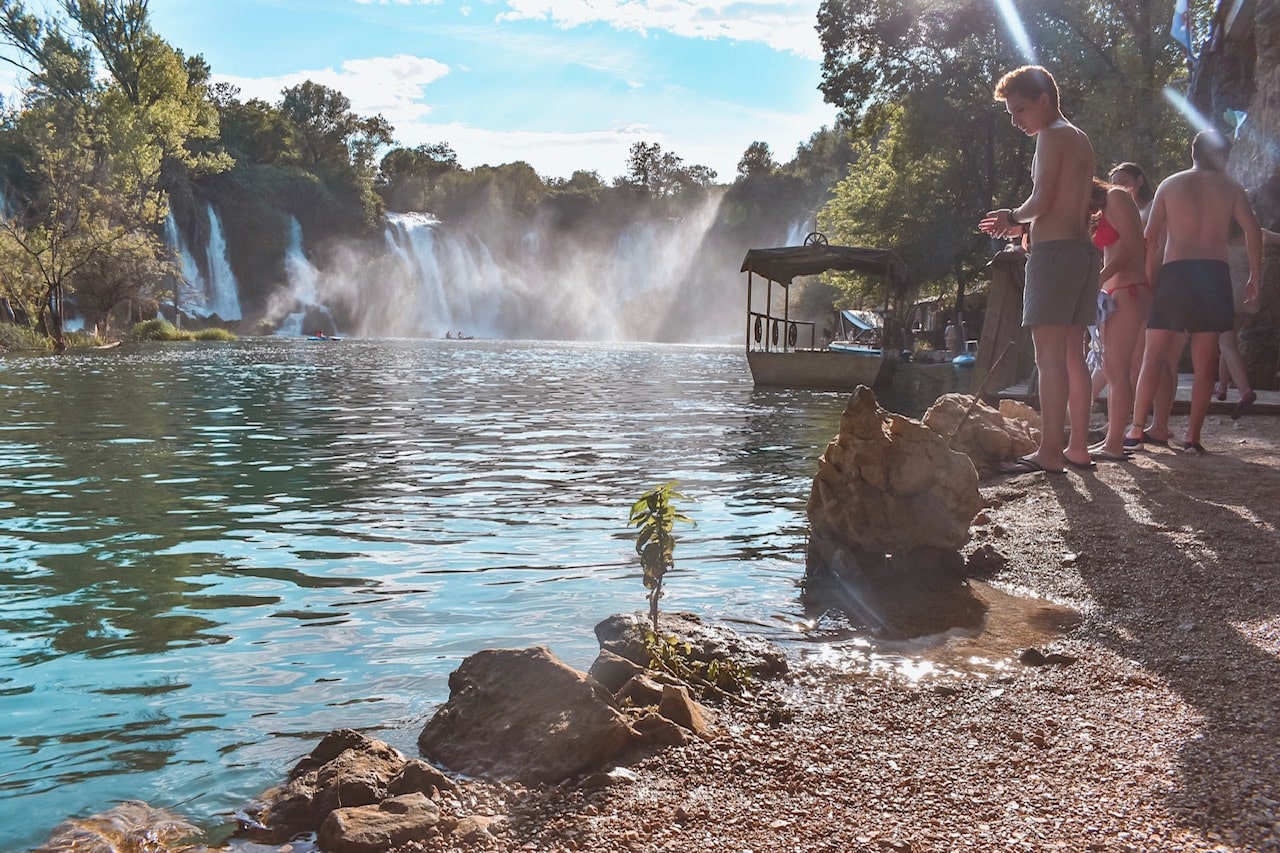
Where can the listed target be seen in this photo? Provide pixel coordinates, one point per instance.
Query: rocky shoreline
(1157, 729)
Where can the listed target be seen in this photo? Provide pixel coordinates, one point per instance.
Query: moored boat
(784, 352)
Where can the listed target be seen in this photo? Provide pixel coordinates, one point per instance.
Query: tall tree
(104, 148)
(407, 177)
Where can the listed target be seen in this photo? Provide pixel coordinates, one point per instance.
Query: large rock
(623, 634)
(523, 714)
(985, 435)
(888, 484)
(376, 828)
(345, 770)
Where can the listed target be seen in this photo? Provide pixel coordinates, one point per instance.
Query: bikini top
(1105, 234)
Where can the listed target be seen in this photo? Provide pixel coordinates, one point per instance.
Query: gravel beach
(1159, 729)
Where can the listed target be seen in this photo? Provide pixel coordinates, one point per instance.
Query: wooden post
(1002, 324)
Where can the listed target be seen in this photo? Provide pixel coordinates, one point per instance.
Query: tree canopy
(914, 78)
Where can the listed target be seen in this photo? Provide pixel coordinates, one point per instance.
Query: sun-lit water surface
(211, 555)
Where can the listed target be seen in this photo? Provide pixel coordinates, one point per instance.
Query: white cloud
(391, 86)
(784, 25)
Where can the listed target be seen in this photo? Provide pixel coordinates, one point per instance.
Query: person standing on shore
(1061, 297)
(1231, 366)
(1187, 239)
(1123, 307)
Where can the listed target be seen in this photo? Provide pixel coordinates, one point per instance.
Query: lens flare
(1017, 31)
(1180, 102)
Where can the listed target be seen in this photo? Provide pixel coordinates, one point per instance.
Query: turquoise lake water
(213, 554)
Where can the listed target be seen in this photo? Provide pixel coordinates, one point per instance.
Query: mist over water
(650, 280)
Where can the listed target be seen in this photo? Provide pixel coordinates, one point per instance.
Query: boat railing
(777, 334)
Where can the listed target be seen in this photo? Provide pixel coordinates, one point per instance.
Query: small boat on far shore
(969, 357)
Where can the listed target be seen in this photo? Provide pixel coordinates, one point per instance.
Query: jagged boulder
(622, 635)
(987, 436)
(522, 714)
(345, 770)
(889, 484)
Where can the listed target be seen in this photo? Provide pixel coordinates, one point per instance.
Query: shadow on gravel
(1216, 568)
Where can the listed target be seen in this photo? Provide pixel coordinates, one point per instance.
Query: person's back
(1187, 239)
(1198, 208)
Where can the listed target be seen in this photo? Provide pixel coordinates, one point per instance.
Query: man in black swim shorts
(1187, 238)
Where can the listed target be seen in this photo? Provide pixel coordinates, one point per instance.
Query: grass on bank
(163, 330)
(16, 338)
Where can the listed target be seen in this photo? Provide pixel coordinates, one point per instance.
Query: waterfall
(796, 233)
(223, 294)
(543, 282)
(198, 296)
(191, 297)
(301, 297)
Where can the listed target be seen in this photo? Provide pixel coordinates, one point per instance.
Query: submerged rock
(130, 826)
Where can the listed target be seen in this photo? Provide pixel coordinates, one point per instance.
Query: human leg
(1168, 388)
(1234, 366)
(1079, 399)
(1121, 334)
(1051, 344)
(1204, 360)
(1154, 366)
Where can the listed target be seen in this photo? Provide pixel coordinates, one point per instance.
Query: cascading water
(796, 233)
(544, 282)
(198, 296)
(223, 294)
(301, 297)
(191, 297)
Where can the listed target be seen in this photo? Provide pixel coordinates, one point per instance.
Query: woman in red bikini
(1123, 306)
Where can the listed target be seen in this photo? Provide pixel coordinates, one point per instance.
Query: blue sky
(560, 84)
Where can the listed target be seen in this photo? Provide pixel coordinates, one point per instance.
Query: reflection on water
(212, 554)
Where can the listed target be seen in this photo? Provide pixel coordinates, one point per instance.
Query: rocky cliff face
(1255, 160)
(1241, 71)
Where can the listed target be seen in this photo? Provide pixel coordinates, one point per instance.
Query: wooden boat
(783, 352)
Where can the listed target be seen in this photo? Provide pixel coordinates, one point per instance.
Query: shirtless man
(1061, 297)
(1187, 239)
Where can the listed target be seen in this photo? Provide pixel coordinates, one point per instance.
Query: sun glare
(1184, 106)
(1017, 31)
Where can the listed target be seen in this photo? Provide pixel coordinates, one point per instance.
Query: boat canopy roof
(785, 263)
(864, 320)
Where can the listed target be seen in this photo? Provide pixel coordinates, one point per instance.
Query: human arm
(1122, 212)
(1154, 237)
(1253, 238)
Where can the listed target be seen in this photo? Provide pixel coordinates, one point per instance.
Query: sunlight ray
(1016, 30)
(1183, 105)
